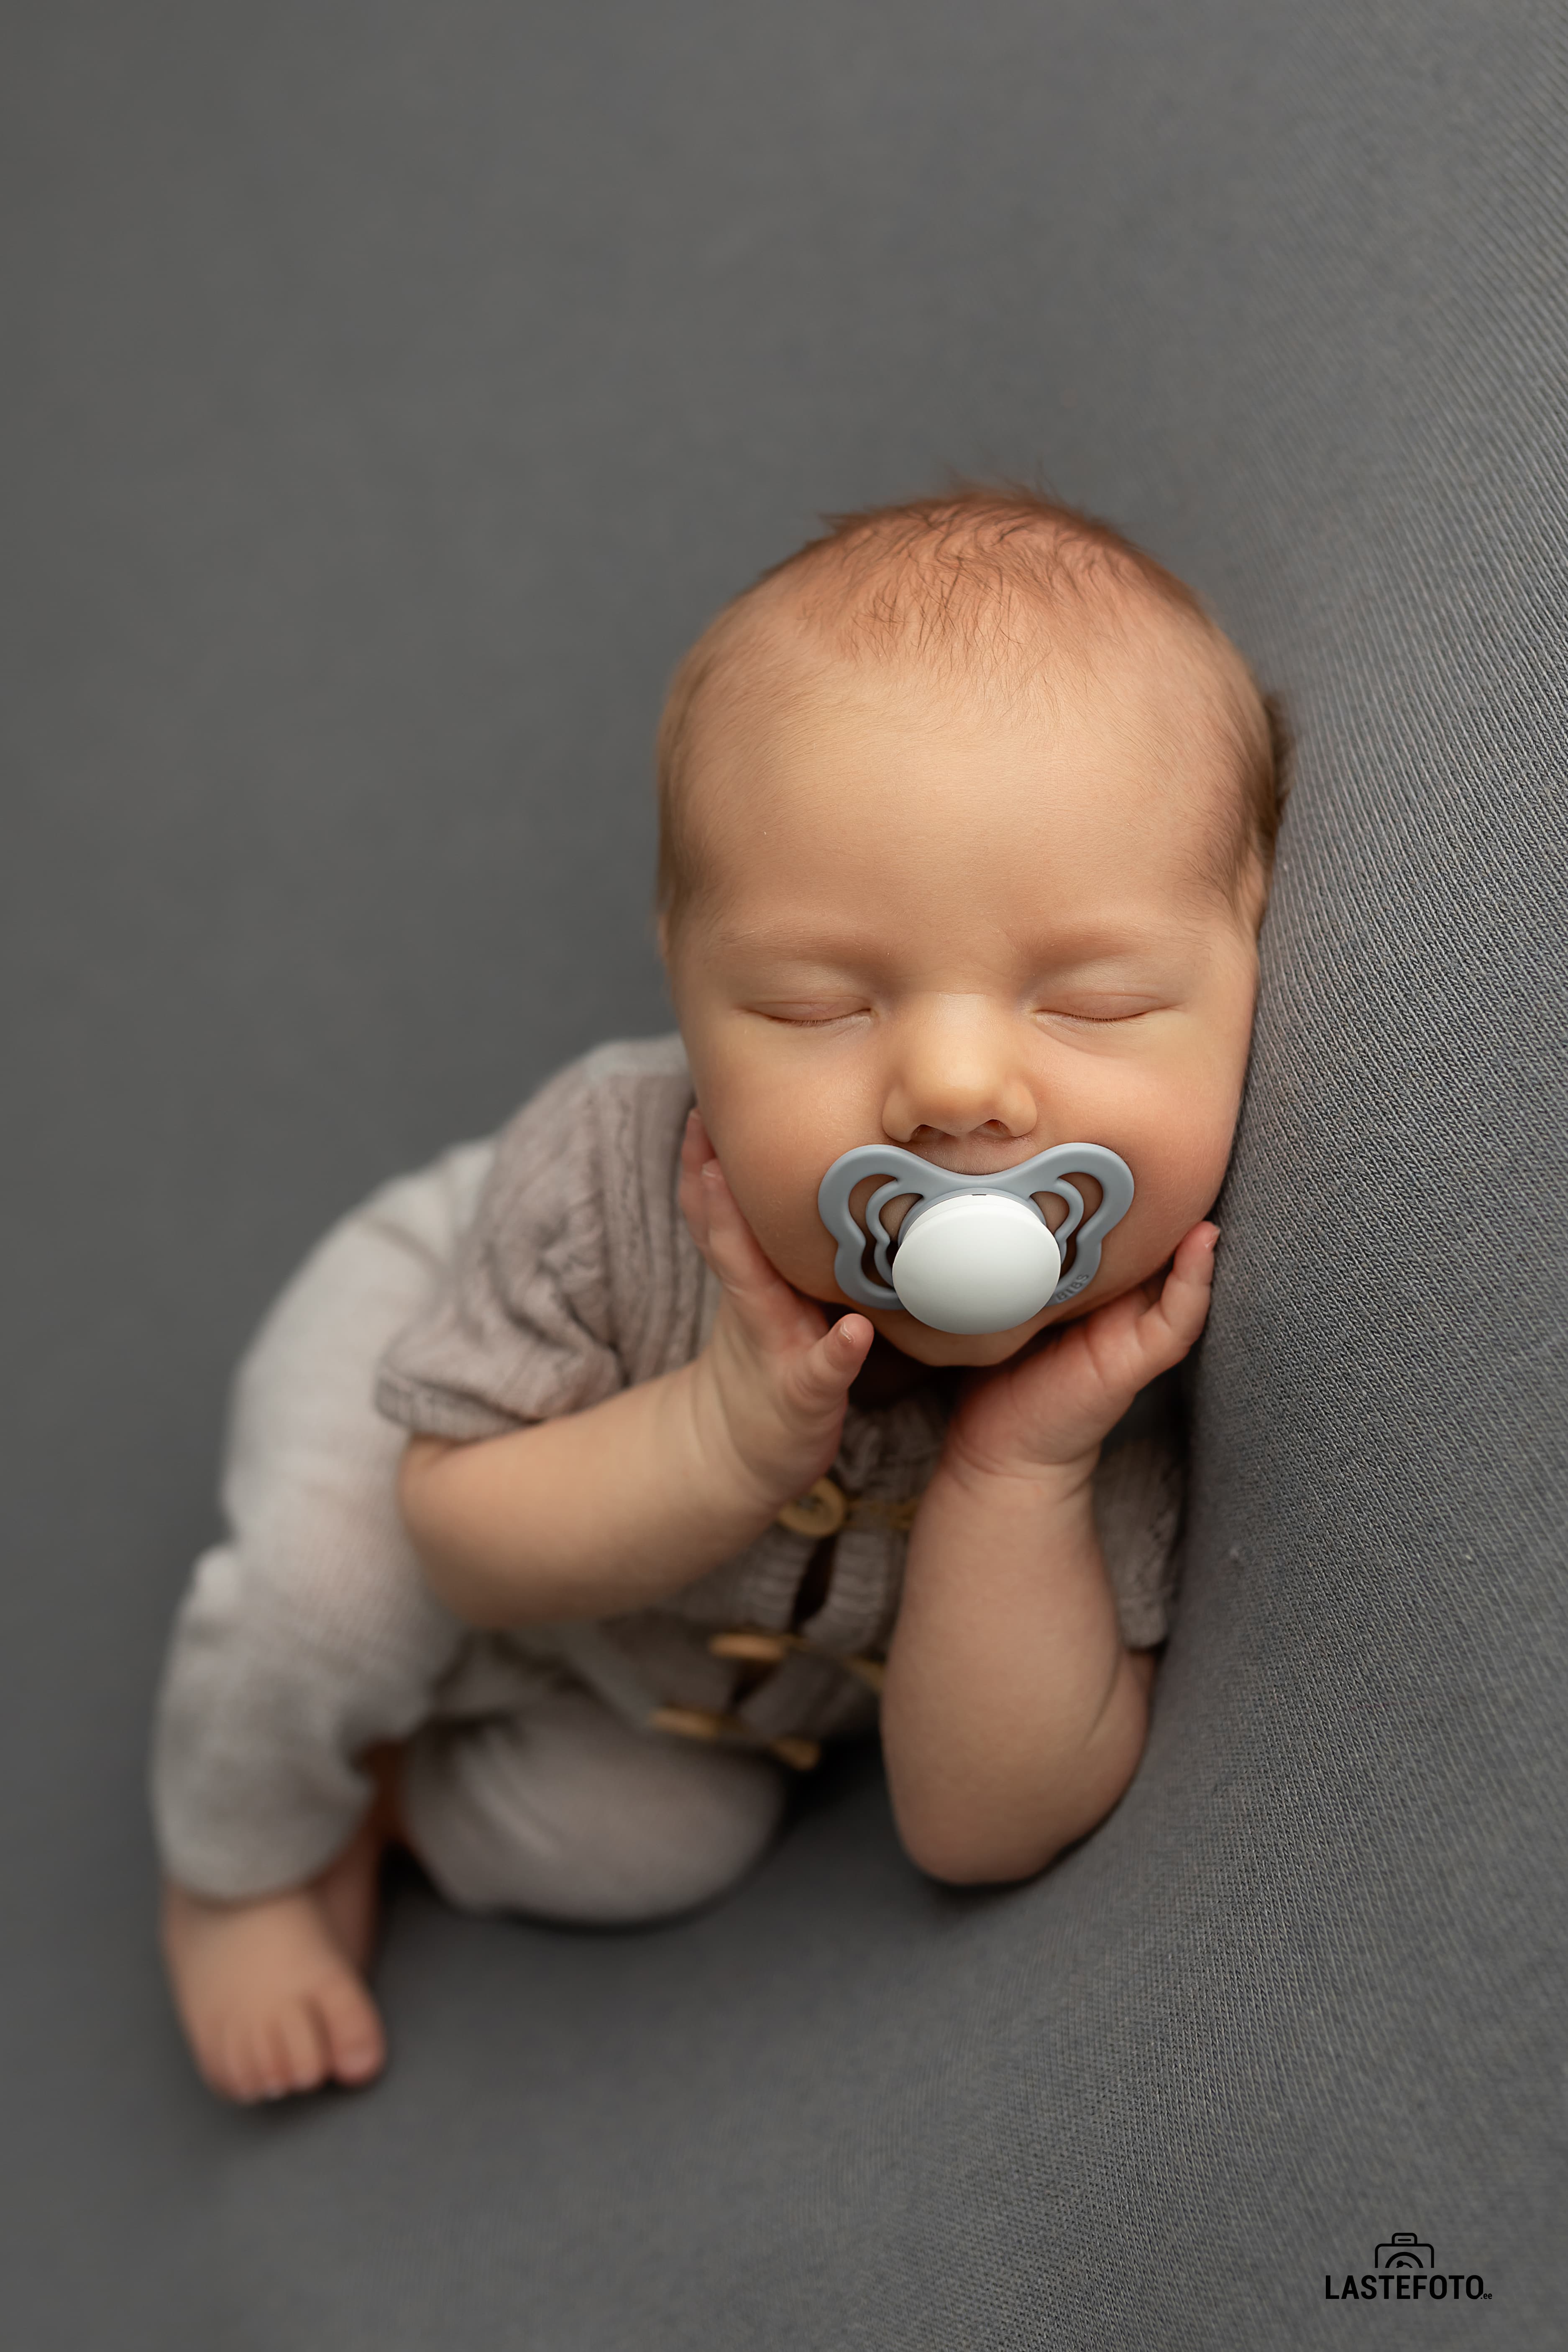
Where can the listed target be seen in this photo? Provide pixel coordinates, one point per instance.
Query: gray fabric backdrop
(391, 392)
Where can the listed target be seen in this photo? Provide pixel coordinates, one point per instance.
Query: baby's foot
(270, 1992)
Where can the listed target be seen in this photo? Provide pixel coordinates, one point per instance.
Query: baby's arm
(612, 1508)
(1014, 1716)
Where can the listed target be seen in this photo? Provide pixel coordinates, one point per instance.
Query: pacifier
(974, 1252)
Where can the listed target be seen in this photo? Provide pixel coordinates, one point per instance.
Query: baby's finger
(733, 1251)
(696, 1151)
(696, 1143)
(819, 1379)
(1173, 1322)
(712, 1210)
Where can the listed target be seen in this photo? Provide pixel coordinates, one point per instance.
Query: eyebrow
(1085, 951)
(1074, 935)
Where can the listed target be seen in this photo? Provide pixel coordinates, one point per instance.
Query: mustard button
(755, 1649)
(690, 1722)
(820, 1513)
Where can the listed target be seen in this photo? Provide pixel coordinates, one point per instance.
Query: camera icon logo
(1405, 2270)
(1403, 2252)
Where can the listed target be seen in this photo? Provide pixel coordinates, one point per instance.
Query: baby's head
(967, 814)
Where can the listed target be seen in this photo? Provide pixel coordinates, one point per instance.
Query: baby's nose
(958, 1073)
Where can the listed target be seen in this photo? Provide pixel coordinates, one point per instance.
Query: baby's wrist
(740, 1479)
(987, 1472)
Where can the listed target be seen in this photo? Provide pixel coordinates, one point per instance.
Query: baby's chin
(980, 1348)
(928, 1346)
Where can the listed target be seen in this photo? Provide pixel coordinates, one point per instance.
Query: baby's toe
(243, 2067)
(355, 2043)
(223, 2056)
(272, 2058)
(210, 2044)
(298, 2046)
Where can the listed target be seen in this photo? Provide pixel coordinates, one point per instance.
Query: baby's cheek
(1176, 1184)
(779, 1203)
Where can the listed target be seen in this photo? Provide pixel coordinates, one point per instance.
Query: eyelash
(1094, 1019)
(1042, 1012)
(801, 1020)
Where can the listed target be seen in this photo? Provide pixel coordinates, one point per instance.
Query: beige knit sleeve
(1139, 1491)
(519, 1330)
(576, 1276)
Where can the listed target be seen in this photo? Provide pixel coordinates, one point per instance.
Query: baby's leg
(271, 1992)
(307, 1639)
(566, 1812)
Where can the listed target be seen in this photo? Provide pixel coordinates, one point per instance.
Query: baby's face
(972, 927)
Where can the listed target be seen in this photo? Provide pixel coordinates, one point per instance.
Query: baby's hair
(960, 583)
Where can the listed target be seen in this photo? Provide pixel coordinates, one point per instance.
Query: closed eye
(1099, 1015)
(810, 1016)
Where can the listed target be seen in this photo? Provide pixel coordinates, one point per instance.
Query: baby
(572, 1503)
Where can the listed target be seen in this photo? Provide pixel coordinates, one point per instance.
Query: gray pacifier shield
(974, 1253)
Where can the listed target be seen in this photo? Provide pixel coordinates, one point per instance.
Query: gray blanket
(402, 389)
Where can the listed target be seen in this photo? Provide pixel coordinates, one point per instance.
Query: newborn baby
(967, 815)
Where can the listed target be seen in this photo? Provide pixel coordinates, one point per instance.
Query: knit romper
(602, 1772)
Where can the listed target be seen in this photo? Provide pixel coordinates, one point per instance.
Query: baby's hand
(775, 1377)
(1052, 1407)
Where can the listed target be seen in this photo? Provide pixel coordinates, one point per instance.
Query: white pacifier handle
(974, 1253)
